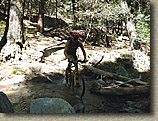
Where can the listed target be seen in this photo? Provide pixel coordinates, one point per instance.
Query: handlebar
(76, 61)
(82, 61)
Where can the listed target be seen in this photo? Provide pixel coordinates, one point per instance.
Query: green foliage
(114, 35)
(15, 104)
(2, 26)
(143, 28)
(98, 13)
(17, 72)
(26, 31)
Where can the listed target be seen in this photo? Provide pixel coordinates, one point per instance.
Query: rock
(122, 71)
(5, 105)
(79, 108)
(50, 105)
(130, 110)
(143, 105)
(130, 103)
(99, 83)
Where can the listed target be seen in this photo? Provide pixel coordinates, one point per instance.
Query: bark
(4, 38)
(121, 90)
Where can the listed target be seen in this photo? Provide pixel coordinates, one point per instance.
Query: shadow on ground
(112, 104)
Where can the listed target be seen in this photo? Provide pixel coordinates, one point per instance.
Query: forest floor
(29, 79)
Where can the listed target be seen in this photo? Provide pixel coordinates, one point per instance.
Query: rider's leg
(68, 68)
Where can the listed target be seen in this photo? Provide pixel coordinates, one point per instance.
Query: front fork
(76, 77)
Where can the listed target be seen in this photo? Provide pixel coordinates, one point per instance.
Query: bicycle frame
(71, 79)
(74, 74)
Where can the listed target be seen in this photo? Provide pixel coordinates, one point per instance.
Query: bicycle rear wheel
(78, 88)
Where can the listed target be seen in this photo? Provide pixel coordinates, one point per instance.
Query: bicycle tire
(79, 91)
(68, 79)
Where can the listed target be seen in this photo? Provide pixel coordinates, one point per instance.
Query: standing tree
(130, 24)
(4, 38)
(15, 23)
(73, 11)
(40, 24)
(13, 38)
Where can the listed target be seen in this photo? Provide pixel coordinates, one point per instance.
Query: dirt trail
(32, 80)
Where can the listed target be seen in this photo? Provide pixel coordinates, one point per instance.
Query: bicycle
(75, 80)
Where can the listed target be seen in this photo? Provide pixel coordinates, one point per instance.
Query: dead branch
(98, 61)
(123, 83)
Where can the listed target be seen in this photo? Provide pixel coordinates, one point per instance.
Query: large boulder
(5, 105)
(50, 105)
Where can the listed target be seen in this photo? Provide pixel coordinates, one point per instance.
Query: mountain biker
(71, 47)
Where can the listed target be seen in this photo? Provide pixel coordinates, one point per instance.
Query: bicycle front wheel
(68, 77)
(78, 85)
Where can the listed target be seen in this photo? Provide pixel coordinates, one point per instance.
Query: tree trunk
(56, 22)
(15, 28)
(4, 38)
(130, 26)
(5, 7)
(13, 47)
(40, 23)
(56, 9)
(73, 12)
(22, 19)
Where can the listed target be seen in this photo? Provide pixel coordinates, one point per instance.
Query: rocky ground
(29, 78)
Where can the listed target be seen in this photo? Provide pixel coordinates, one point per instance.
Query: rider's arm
(83, 50)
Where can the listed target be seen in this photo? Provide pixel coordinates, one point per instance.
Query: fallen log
(121, 90)
(49, 51)
(113, 75)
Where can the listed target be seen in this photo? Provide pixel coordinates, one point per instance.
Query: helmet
(75, 35)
